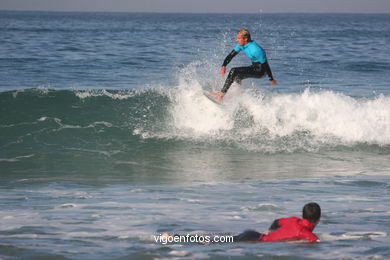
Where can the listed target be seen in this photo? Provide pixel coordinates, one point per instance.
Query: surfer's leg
(233, 76)
(247, 236)
(239, 73)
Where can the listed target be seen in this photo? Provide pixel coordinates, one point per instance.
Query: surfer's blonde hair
(245, 33)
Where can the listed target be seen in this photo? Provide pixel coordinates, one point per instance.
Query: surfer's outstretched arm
(229, 58)
(269, 73)
(227, 61)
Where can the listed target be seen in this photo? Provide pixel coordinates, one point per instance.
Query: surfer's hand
(272, 82)
(222, 71)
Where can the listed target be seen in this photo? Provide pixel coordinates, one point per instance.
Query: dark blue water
(106, 139)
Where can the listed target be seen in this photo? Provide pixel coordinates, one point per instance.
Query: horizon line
(179, 12)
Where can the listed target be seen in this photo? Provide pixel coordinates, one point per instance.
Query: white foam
(16, 159)
(58, 121)
(101, 93)
(41, 119)
(327, 117)
(191, 111)
(180, 253)
(254, 119)
(352, 236)
(68, 205)
(261, 207)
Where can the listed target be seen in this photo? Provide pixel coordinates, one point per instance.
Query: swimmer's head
(312, 212)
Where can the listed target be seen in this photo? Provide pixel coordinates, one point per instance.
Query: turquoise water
(107, 140)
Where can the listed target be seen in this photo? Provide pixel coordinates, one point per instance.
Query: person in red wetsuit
(288, 229)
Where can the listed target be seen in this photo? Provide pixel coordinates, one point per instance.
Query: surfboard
(211, 98)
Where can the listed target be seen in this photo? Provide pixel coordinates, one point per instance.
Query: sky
(203, 6)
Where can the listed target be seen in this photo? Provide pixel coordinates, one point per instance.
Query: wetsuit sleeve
(229, 58)
(310, 237)
(275, 225)
(268, 70)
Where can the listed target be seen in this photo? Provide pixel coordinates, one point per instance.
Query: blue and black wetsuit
(258, 68)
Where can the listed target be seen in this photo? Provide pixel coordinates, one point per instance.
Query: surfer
(288, 229)
(258, 69)
(283, 230)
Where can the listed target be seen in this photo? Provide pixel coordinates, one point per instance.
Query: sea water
(106, 140)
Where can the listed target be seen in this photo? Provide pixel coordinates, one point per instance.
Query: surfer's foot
(217, 95)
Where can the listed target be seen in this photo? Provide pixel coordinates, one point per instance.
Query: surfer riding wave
(258, 69)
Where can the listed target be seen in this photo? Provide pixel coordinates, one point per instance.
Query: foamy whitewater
(107, 141)
(324, 115)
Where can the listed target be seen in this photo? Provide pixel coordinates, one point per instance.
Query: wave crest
(250, 118)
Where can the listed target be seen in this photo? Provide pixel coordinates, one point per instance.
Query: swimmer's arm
(275, 225)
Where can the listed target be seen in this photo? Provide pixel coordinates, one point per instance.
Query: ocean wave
(255, 120)
(250, 119)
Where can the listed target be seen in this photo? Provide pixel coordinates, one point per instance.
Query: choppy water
(107, 140)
